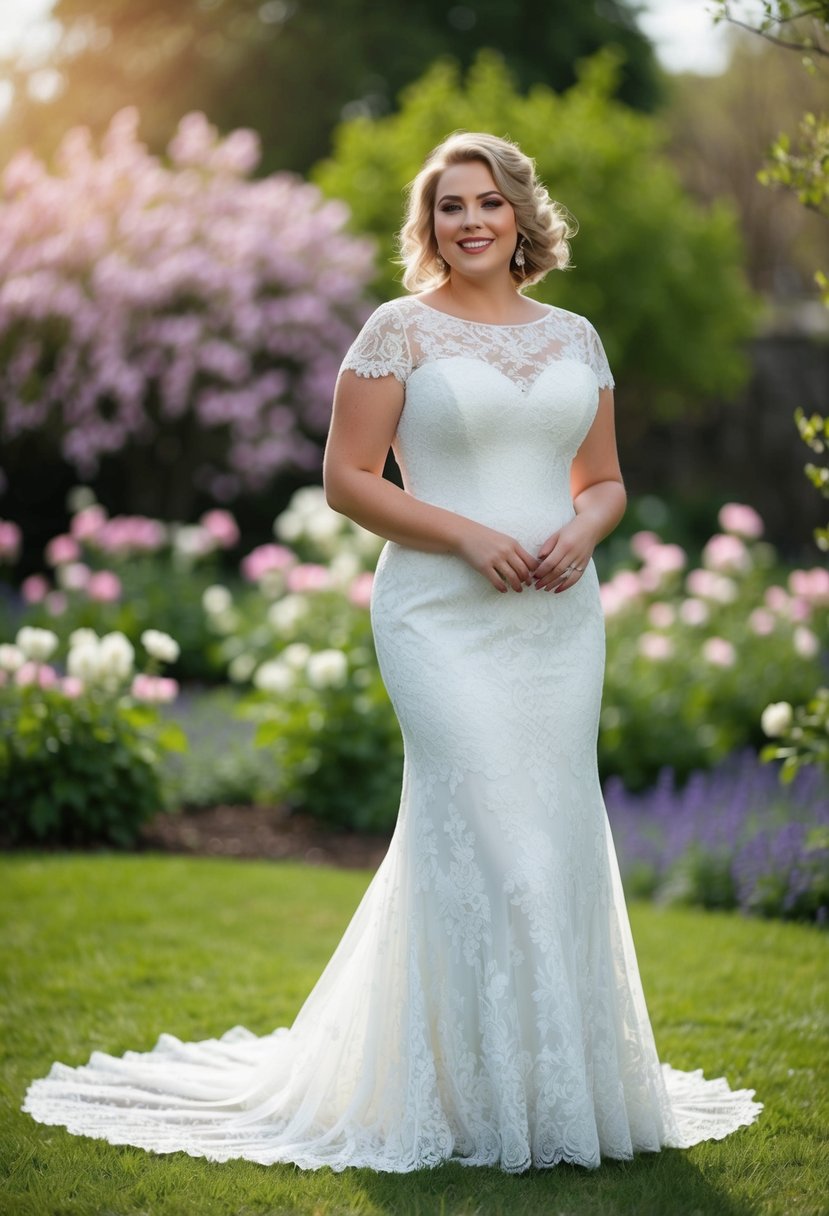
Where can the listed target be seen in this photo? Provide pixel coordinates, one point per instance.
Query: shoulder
(381, 347)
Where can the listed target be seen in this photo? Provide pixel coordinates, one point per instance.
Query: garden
(200, 768)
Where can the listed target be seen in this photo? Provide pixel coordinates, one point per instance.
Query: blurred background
(198, 208)
(649, 121)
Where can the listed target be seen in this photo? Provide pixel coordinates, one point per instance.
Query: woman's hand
(497, 556)
(564, 555)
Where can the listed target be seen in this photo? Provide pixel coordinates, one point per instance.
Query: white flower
(191, 540)
(11, 657)
(274, 676)
(327, 669)
(160, 645)
(289, 526)
(83, 658)
(296, 655)
(216, 599)
(805, 642)
(776, 718)
(79, 636)
(286, 613)
(37, 644)
(344, 568)
(115, 657)
(241, 668)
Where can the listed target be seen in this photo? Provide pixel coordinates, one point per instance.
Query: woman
(484, 1004)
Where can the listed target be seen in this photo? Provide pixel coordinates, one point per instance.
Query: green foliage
(814, 431)
(335, 743)
(79, 771)
(659, 276)
(805, 740)
(290, 69)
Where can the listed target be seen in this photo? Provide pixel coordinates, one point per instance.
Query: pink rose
(104, 587)
(222, 527)
(34, 589)
(360, 590)
(719, 652)
(62, 549)
(741, 520)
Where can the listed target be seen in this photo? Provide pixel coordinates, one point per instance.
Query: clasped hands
(559, 564)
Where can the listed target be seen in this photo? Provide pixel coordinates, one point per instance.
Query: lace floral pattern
(484, 1003)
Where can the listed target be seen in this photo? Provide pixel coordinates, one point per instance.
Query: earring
(440, 262)
(519, 253)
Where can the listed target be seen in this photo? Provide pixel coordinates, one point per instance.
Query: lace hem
(96, 1101)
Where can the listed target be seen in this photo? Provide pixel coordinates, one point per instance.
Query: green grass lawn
(107, 951)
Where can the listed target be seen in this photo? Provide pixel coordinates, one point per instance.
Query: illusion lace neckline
(486, 324)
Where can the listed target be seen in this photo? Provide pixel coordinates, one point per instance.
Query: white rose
(327, 669)
(324, 525)
(776, 718)
(216, 600)
(83, 659)
(37, 644)
(80, 637)
(160, 645)
(241, 668)
(286, 613)
(289, 526)
(274, 676)
(191, 540)
(115, 656)
(296, 655)
(11, 657)
(344, 568)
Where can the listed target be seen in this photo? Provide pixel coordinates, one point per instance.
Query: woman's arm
(364, 420)
(599, 497)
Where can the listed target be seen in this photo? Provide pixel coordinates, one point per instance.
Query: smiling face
(474, 224)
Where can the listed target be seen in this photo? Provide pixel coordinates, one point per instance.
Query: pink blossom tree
(175, 314)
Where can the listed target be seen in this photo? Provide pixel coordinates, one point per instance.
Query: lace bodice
(404, 334)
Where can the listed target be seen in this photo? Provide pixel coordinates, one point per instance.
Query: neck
(481, 296)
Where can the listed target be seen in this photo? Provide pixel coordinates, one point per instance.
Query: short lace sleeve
(597, 358)
(381, 348)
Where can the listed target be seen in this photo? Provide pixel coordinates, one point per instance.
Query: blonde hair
(545, 225)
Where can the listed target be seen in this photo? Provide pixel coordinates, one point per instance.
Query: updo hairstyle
(545, 225)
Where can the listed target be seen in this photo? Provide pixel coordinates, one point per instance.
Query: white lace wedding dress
(484, 1004)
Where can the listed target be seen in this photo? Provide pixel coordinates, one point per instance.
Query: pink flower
(104, 587)
(154, 689)
(10, 541)
(264, 559)
(726, 553)
(308, 577)
(34, 589)
(761, 622)
(655, 646)
(360, 590)
(741, 520)
(61, 549)
(777, 599)
(805, 642)
(72, 686)
(811, 585)
(222, 527)
(641, 544)
(667, 558)
(661, 615)
(711, 586)
(36, 673)
(694, 612)
(719, 652)
(88, 522)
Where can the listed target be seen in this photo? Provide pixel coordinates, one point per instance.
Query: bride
(484, 1004)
